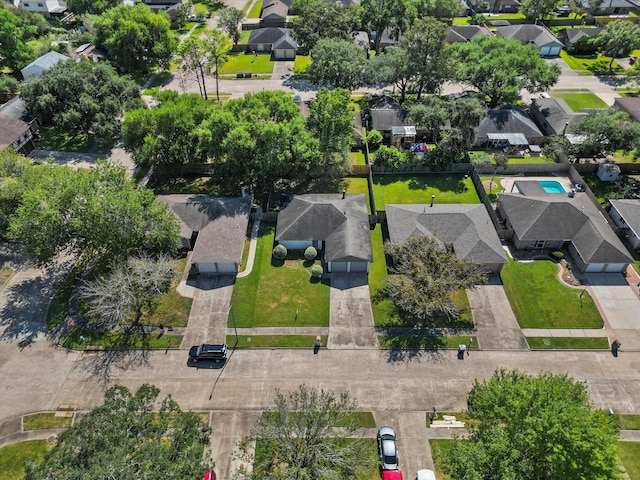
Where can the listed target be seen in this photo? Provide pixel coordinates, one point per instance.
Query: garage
(357, 266)
(605, 268)
(550, 51)
(338, 267)
(284, 48)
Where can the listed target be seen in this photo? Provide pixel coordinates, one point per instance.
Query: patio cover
(535, 148)
(404, 131)
(512, 138)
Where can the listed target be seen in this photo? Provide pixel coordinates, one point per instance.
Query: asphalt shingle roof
(630, 211)
(528, 34)
(508, 119)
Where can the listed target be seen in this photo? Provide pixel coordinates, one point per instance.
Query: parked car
(425, 475)
(208, 351)
(209, 475)
(387, 448)
(391, 475)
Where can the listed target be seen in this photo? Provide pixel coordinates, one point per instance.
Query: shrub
(280, 252)
(374, 139)
(316, 271)
(568, 265)
(388, 157)
(558, 255)
(310, 253)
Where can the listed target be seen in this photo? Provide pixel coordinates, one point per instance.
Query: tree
(606, 131)
(534, 427)
(136, 39)
(450, 149)
(124, 438)
(438, 9)
(466, 114)
(393, 66)
(337, 64)
(229, 19)
(500, 68)
(92, 101)
(380, 15)
(500, 161)
(8, 86)
(218, 50)
(319, 19)
(119, 297)
(301, 440)
(426, 274)
(14, 52)
(97, 212)
(96, 7)
(431, 115)
(633, 74)
(331, 122)
(620, 37)
(539, 9)
(430, 54)
(388, 158)
(13, 170)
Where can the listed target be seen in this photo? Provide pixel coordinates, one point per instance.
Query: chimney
(433, 197)
(344, 194)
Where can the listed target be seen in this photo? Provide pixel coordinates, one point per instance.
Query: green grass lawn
(120, 340)
(255, 10)
(539, 300)
(591, 64)
(301, 63)
(447, 188)
(43, 421)
(437, 447)
(248, 63)
(426, 342)
(13, 457)
(358, 158)
(630, 458)
(5, 274)
(56, 138)
(244, 36)
(568, 342)
(276, 341)
(580, 100)
(629, 421)
(273, 293)
(200, 9)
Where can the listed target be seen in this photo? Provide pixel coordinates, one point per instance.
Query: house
(553, 115)
(90, 51)
(493, 6)
(335, 224)
(464, 33)
(274, 14)
(276, 40)
(537, 36)
(17, 127)
(631, 105)
(610, 7)
(213, 227)
(608, 172)
(536, 219)
(507, 126)
(626, 215)
(385, 113)
(42, 64)
(466, 227)
(47, 8)
(570, 36)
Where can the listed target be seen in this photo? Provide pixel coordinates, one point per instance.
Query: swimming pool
(551, 186)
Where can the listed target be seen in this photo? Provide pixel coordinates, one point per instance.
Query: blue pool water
(551, 186)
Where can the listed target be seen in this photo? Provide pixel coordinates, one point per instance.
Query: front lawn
(629, 421)
(447, 188)
(13, 457)
(630, 458)
(248, 63)
(43, 421)
(301, 63)
(255, 10)
(276, 341)
(596, 343)
(244, 37)
(591, 64)
(275, 294)
(120, 340)
(539, 300)
(437, 446)
(580, 100)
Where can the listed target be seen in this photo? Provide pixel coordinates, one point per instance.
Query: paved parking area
(351, 317)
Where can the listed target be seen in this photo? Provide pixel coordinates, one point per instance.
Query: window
(540, 243)
(41, 5)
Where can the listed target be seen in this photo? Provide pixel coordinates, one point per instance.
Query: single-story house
(494, 6)
(385, 113)
(337, 225)
(274, 14)
(626, 215)
(569, 36)
(540, 220)
(464, 33)
(47, 8)
(538, 36)
(631, 105)
(553, 115)
(213, 227)
(42, 64)
(90, 51)
(466, 227)
(276, 40)
(610, 7)
(507, 126)
(17, 127)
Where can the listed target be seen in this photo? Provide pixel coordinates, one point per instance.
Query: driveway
(411, 434)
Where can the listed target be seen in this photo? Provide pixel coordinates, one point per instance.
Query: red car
(391, 475)
(210, 475)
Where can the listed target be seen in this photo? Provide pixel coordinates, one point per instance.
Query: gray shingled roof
(221, 223)
(277, 9)
(268, 35)
(467, 228)
(11, 129)
(343, 224)
(556, 112)
(631, 105)
(630, 211)
(508, 119)
(528, 34)
(48, 60)
(464, 33)
(569, 36)
(286, 42)
(556, 217)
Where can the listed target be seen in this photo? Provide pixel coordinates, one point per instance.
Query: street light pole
(235, 328)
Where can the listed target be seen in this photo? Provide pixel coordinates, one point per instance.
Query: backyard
(277, 295)
(539, 300)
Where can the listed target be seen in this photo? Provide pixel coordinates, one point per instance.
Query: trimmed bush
(316, 271)
(374, 139)
(280, 252)
(310, 253)
(557, 254)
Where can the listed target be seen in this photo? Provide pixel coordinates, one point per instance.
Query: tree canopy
(337, 64)
(607, 131)
(619, 37)
(426, 274)
(136, 38)
(318, 19)
(500, 68)
(539, 9)
(535, 427)
(301, 441)
(125, 438)
(92, 101)
(95, 7)
(229, 19)
(14, 52)
(97, 212)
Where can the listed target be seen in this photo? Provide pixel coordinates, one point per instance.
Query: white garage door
(338, 267)
(279, 54)
(358, 266)
(614, 267)
(595, 267)
(544, 51)
(290, 54)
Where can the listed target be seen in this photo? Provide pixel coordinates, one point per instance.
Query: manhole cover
(546, 342)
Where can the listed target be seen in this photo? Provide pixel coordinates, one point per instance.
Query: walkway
(351, 318)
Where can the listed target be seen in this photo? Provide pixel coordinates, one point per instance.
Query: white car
(387, 448)
(425, 475)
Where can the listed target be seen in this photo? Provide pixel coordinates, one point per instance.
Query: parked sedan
(387, 448)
